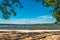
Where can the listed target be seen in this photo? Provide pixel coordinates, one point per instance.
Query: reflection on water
(29, 27)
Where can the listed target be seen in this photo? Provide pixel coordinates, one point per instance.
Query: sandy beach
(29, 35)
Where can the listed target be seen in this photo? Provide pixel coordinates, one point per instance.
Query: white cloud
(45, 16)
(40, 19)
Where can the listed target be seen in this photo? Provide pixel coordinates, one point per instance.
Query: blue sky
(32, 13)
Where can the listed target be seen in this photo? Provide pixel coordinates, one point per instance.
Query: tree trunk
(57, 20)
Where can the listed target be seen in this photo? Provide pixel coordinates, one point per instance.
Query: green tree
(55, 4)
(7, 7)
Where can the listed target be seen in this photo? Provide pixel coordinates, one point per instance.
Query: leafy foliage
(53, 3)
(7, 7)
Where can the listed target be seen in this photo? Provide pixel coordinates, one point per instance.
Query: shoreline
(31, 30)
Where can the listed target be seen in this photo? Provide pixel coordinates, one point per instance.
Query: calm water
(29, 27)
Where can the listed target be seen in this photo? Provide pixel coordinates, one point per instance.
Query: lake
(29, 27)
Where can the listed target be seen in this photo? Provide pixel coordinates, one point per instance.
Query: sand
(29, 35)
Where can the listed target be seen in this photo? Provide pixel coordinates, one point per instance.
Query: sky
(32, 13)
